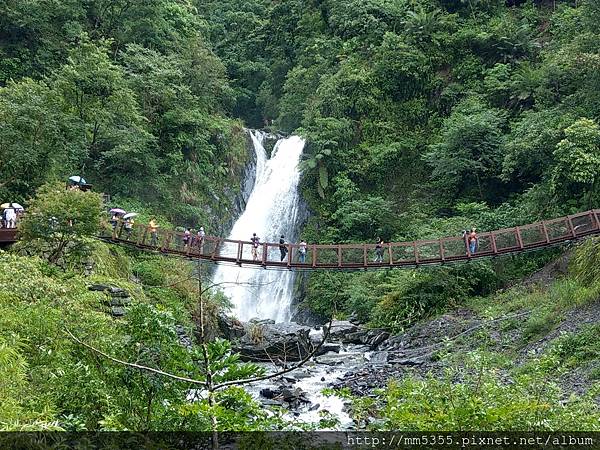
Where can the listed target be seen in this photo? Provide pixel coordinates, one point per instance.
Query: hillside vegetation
(422, 118)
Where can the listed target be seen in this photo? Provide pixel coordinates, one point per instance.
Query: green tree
(467, 159)
(58, 221)
(529, 145)
(103, 109)
(326, 137)
(578, 160)
(36, 143)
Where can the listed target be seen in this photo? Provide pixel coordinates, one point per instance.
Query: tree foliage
(59, 221)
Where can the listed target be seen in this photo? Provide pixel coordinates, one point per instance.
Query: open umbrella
(77, 179)
(117, 211)
(129, 215)
(11, 205)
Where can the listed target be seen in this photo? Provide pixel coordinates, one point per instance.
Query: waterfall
(271, 210)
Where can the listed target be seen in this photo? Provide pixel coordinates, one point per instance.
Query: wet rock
(295, 397)
(302, 375)
(341, 328)
(117, 311)
(229, 327)
(407, 362)
(329, 347)
(262, 321)
(376, 337)
(372, 338)
(356, 337)
(379, 357)
(269, 393)
(280, 342)
(330, 360)
(288, 395)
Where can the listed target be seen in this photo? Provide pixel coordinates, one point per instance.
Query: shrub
(474, 396)
(58, 222)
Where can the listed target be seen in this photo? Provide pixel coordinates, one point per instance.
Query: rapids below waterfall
(271, 211)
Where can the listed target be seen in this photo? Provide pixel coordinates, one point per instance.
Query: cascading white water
(271, 210)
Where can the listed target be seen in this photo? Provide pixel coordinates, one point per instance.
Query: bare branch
(135, 366)
(203, 383)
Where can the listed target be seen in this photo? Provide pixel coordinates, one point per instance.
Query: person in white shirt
(10, 217)
(302, 252)
(200, 239)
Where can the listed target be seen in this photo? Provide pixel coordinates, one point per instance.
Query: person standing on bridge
(473, 241)
(282, 247)
(200, 239)
(129, 222)
(10, 217)
(302, 252)
(153, 228)
(187, 234)
(379, 250)
(255, 243)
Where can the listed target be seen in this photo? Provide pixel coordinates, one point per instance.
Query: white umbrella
(130, 215)
(77, 179)
(11, 205)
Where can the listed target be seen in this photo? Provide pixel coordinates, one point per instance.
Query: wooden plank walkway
(362, 256)
(357, 256)
(8, 235)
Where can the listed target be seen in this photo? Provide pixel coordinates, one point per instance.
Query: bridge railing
(442, 250)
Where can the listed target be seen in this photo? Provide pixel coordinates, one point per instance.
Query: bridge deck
(8, 235)
(362, 256)
(357, 256)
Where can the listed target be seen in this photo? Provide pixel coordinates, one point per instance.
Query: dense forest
(422, 118)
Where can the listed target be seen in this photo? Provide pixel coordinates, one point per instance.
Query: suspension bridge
(518, 239)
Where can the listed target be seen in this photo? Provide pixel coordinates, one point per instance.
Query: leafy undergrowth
(48, 381)
(484, 400)
(524, 359)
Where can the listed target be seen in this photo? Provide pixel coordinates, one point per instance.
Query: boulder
(117, 311)
(294, 396)
(229, 327)
(328, 347)
(119, 301)
(99, 287)
(269, 393)
(372, 337)
(379, 357)
(278, 342)
(340, 329)
(118, 292)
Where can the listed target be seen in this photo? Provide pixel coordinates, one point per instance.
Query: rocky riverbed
(363, 360)
(351, 357)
